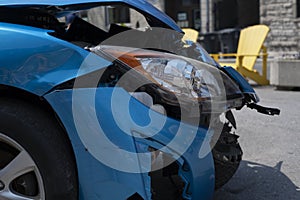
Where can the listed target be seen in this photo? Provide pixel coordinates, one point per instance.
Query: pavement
(270, 169)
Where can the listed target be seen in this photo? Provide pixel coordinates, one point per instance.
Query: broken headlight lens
(181, 77)
(186, 78)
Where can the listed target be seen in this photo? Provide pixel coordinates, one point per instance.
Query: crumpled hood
(68, 4)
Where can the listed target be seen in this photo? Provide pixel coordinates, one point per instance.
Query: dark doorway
(248, 12)
(226, 14)
(186, 13)
(235, 13)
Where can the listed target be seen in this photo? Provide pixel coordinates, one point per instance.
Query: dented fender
(98, 177)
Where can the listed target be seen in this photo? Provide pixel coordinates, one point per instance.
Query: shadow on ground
(254, 181)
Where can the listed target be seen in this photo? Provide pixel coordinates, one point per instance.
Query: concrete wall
(285, 73)
(280, 16)
(136, 17)
(160, 4)
(96, 16)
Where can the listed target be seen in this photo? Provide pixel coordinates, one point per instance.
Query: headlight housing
(187, 79)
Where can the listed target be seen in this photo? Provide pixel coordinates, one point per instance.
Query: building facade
(210, 16)
(282, 16)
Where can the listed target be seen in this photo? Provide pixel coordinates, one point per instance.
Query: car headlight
(181, 77)
(186, 78)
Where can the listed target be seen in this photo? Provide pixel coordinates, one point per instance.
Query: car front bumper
(111, 134)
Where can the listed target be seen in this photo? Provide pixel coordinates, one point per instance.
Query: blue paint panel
(36, 62)
(97, 181)
(119, 129)
(33, 60)
(240, 80)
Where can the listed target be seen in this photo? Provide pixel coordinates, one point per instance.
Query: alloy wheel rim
(20, 178)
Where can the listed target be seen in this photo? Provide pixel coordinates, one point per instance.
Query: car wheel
(36, 160)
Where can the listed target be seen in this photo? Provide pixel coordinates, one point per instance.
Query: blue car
(103, 99)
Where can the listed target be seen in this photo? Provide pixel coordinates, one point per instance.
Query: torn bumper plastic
(105, 168)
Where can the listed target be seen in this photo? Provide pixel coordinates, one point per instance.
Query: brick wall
(284, 37)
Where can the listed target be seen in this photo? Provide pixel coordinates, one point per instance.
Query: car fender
(34, 61)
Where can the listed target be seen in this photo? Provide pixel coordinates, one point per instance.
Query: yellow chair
(190, 34)
(250, 47)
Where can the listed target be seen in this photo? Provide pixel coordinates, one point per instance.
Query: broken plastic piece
(264, 110)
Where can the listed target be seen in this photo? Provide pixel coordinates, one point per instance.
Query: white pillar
(206, 16)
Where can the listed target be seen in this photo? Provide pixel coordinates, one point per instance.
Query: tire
(36, 158)
(224, 172)
(227, 155)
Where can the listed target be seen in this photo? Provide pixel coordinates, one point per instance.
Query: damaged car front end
(147, 115)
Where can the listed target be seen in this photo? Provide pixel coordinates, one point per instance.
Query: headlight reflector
(181, 77)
